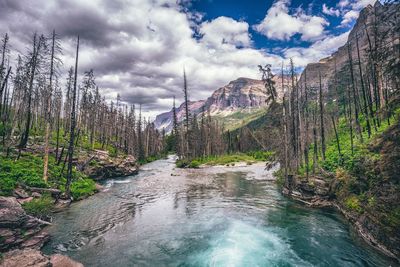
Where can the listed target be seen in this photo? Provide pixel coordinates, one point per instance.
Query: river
(217, 216)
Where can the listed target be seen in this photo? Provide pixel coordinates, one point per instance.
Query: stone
(25, 258)
(20, 193)
(24, 200)
(102, 166)
(17, 229)
(58, 260)
(36, 195)
(11, 213)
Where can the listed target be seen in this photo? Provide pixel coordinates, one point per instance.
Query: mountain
(365, 35)
(165, 120)
(236, 103)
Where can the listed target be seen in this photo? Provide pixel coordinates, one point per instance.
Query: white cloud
(360, 4)
(349, 17)
(139, 48)
(330, 11)
(225, 31)
(350, 9)
(320, 49)
(343, 3)
(278, 24)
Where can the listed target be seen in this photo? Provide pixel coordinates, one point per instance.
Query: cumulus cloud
(225, 31)
(279, 24)
(350, 10)
(138, 49)
(349, 17)
(320, 49)
(330, 11)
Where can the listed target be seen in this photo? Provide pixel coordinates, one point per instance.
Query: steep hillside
(351, 156)
(366, 36)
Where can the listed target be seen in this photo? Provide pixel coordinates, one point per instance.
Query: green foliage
(7, 185)
(113, 152)
(353, 203)
(149, 159)
(28, 170)
(40, 207)
(82, 188)
(182, 163)
(194, 164)
(280, 179)
(262, 155)
(228, 159)
(393, 218)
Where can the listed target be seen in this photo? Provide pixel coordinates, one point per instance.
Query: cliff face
(242, 94)
(165, 120)
(366, 34)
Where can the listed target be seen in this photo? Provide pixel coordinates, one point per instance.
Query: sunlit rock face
(240, 94)
(365, 33)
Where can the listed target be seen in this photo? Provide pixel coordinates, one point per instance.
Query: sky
(139, 48)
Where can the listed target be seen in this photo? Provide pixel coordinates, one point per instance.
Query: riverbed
(214, 216)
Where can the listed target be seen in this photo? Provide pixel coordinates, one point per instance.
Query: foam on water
(242, 244)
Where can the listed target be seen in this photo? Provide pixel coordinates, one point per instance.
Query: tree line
(358, 98)
(39, 111)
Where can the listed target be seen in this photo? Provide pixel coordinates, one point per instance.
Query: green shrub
(182, 163)
(353, 203)
(280, 179)
(194, 164)
(7, 185)
(82, 188)
(40, 207)
(34, 180)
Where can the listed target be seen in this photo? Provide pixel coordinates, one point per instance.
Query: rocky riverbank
(99, 165)
(319, 193)
(22, 236)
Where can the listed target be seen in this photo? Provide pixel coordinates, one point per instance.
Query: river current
(217, 216)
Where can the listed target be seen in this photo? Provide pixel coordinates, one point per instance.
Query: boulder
(102, 166)
(36, 195)
(26, 258)
(17, 229)
(35, 258)
(58, 260)
(20, 193)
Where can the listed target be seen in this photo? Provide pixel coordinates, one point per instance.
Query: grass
(41, 207)
(240, 118)
(28, 170)
(227, 159)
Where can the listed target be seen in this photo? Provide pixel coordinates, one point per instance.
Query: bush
(353, 203)
(33, 180)
(7, 185)
(182, 163)
(194, 164)
(40, 207)
(82, 188)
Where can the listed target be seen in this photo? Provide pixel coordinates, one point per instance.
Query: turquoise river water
(217, 216)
